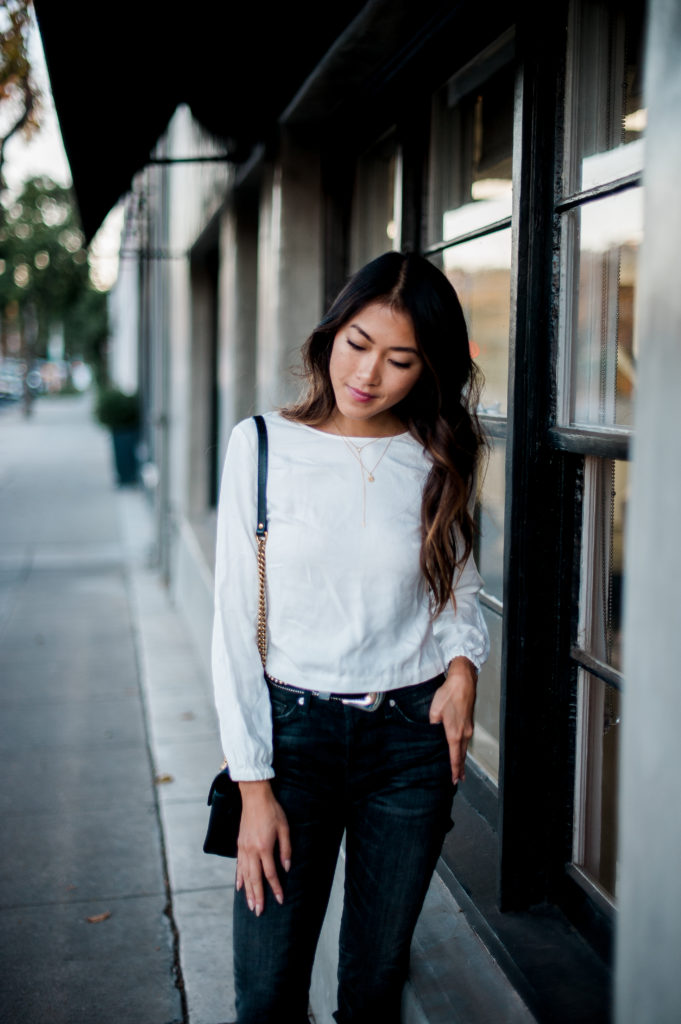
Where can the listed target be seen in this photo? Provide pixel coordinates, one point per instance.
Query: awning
(119, 71)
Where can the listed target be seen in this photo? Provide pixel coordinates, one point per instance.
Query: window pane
(601, 246)
(489, 555)
(489, 547)
(606, 495)
(376, 204)
(600, 634)
(604, 99)
(596, 817)
(484, 746)
(470, 155)
(481, 273)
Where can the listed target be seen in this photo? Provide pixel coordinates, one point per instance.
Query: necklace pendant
(370, 478)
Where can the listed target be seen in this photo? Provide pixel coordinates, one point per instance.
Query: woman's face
(374, 364)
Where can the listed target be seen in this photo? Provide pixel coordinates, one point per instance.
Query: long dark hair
(439, 411)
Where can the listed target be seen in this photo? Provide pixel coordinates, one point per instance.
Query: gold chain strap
(262, 607)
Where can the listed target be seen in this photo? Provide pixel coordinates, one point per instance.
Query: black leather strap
(261, 529)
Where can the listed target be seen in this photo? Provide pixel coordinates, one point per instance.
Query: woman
(375, 636)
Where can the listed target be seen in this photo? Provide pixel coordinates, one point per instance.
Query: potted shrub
(120, 413)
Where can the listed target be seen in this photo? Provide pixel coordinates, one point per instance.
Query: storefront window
(468, 233)
(601, 232)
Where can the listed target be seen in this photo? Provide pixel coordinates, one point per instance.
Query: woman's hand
(453, 705)
(263, 823)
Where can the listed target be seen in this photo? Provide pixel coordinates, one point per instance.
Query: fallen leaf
(96, 918)
(160, 780)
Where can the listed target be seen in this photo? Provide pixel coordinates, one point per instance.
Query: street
(109, 910)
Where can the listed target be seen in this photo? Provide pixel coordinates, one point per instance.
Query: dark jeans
(384, 778)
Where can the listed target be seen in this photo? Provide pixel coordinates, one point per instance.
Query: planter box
(125, 455)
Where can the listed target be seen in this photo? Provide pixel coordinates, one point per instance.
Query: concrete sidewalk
(186, 754)
(108, 907)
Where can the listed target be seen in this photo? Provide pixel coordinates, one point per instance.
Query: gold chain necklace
(367, 474)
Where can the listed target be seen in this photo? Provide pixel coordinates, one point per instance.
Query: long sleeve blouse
(347, 608)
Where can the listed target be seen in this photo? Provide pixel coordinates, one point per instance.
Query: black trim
(536, 695)
(613, 444)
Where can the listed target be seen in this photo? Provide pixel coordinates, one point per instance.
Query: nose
(370, 371)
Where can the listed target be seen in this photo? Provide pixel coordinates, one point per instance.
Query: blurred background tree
(48, 305)
(19, 94)
(46, 296)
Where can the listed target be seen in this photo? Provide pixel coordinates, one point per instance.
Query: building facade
(528, 151)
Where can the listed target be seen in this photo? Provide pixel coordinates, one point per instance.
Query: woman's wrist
(255, 791)
(461, 661)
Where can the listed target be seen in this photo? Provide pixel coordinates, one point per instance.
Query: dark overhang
(333, 71)
(119, 71)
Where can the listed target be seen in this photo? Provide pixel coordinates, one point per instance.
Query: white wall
(290, 269)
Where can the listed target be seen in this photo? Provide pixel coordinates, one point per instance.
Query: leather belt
(362, 701)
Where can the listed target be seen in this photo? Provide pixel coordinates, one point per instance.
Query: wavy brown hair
(439, 411)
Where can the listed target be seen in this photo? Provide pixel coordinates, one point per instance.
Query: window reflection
(600, 382)
(604, 521)
(600, 635)
(604, 97)
(489, 549)
(481, 274)
(489, 556)
(470, 155)
(484, 747)
(595, 848)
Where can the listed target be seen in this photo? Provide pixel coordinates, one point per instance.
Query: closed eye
(402, 366)
(357, 348)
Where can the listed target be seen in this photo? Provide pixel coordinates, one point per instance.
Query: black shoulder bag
(224, 798)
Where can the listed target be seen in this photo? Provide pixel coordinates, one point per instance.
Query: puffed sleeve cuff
(248, 773)
(478, 658)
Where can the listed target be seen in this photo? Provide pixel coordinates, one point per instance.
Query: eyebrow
(393, 348)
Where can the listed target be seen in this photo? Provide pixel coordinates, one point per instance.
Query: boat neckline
(349, 437)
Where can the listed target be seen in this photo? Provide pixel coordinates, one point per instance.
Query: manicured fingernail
(251, 905)
(287, 865)
(279, 898)
(258, 910)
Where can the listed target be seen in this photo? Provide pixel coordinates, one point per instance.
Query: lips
(359, 396)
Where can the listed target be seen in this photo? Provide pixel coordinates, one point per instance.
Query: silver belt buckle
(367, 702)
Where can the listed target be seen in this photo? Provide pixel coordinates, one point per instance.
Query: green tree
(44, 276)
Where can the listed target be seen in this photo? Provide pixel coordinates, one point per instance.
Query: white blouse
(347, 608)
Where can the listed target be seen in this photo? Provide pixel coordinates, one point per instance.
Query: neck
(378, 426)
